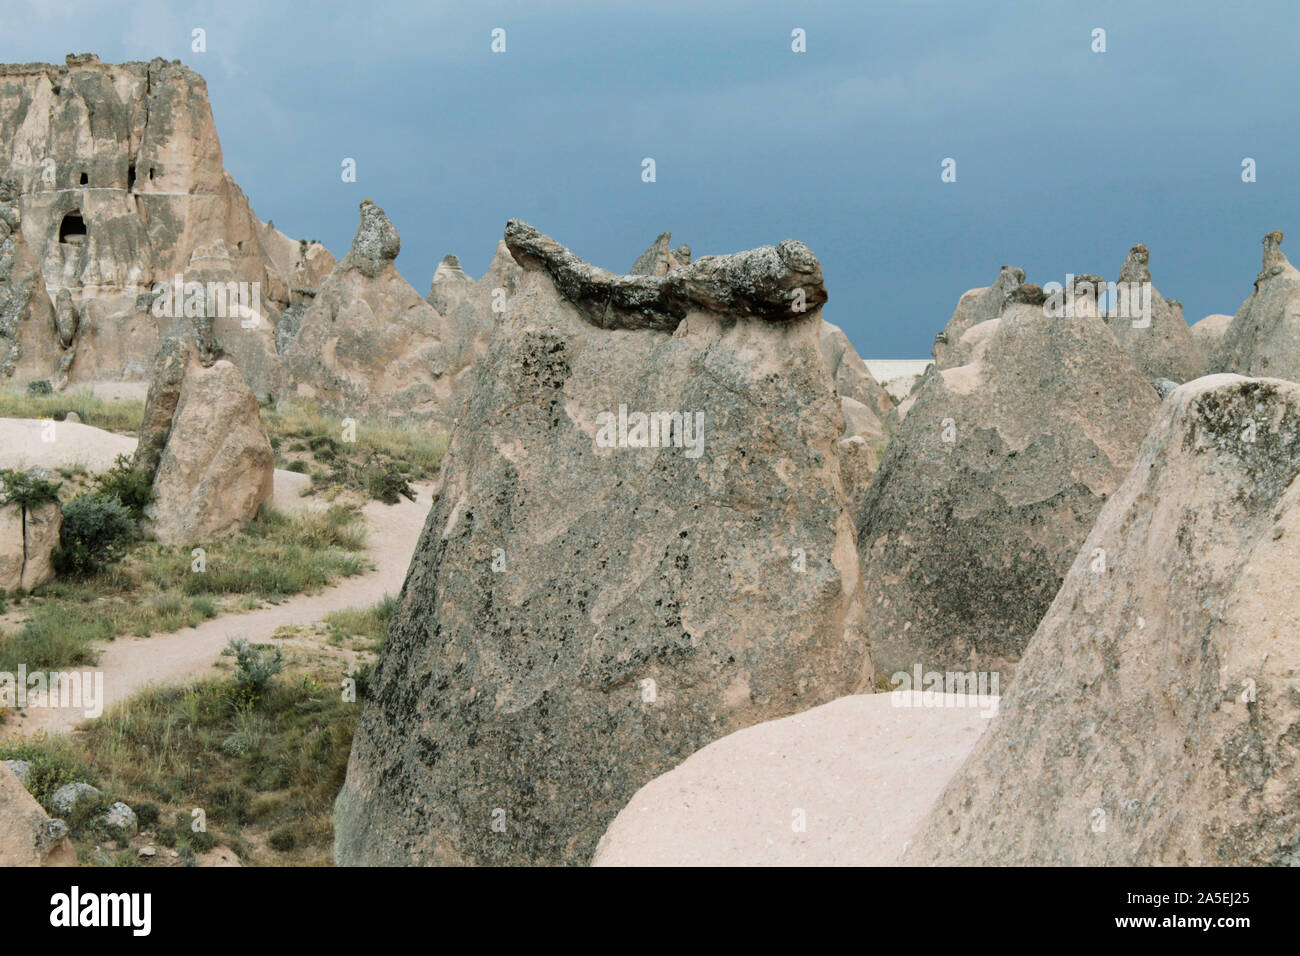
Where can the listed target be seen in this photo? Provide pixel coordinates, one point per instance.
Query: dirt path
(858, 774)
(129, 664)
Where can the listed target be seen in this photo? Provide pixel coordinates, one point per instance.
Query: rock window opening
(73, 228)
(85, 179)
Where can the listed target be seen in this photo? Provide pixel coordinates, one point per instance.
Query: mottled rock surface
(1154, 719)
(990, 484)
(577, 618)
(1264, 336)
(1208, 333)
(29, 336)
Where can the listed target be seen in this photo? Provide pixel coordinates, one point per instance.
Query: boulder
(121, 821)
(70, 796)
(990, 484)
(1264, 336)
(28, 537)
(1160, 344)
(585, 608)
(1155, 719)
(28, 837)
(216, 468)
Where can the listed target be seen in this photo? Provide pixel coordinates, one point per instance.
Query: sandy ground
(132, 663)
(860, 772)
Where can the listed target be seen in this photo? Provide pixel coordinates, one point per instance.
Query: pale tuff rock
(369, 346)
(450, 285)
(28, 837)
(1264, 336)
(29, 347)
(990, 484)
(1154, 719)
(865, 408)
(120, 184)
(216, 468)
(659, 259)
(852, 377)
(777, 283)
(583, 612)
(1208, 333)
(1161, 345)
(974, 307)
(170, 363)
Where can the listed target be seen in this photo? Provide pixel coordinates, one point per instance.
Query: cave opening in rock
(130, 177)
(85, 179)
(72, 230)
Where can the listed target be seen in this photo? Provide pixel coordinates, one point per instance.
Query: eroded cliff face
(117, 173)
(585, 609)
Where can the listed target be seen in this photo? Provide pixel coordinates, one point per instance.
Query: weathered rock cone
(1154, 719)
(1264, 337)
(973, 308)
(370, 346)
(1161, 344)
(991, 483)
(582, 612)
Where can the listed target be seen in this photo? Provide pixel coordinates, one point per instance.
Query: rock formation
(121, 189)
(990, 484)
(973, 308)
(28, 837)
(203, 442)
(1208, 334)
(660, 259)
(1264, 337)
(370, 346)
(28, 537)
(598, 593)
(1154, 719)
(29, 346)
(1160, 344)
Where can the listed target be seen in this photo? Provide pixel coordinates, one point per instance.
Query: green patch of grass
(411, 449)
(55, 761)
(157, 589)
(115, 416)
(271, 769)
(369, 625)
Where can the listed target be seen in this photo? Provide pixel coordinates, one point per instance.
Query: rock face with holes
(1155, 718)
(370, 346)
(214, 464)
(1264, 336)
(119, 179)
(1150, 327)
(991, 483)
(642, 544)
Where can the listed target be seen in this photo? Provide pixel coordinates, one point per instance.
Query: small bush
(298, 467)
(134, 489)
(97, 530)
(255, 666)
(385, 483)
(40, 387)
(283, 839)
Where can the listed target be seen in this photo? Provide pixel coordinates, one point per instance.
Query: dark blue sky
(1065, 157)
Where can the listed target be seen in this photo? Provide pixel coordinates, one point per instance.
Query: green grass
(369, 625)
(262, 774)
(154, 590)
(115, 416)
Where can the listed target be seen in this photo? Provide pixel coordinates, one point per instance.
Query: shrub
(255, 666)
(40, 387)
(134, 489)
(97, 529)
(26, 489)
